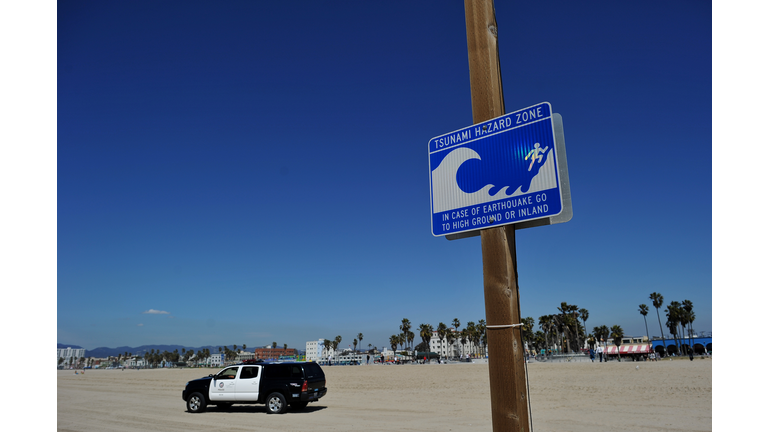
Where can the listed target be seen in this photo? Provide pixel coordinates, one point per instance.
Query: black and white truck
(274, 383)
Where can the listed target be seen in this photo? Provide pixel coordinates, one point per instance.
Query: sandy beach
(660, 396)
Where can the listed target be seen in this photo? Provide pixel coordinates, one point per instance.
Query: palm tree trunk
(663, 340)
(646, 329)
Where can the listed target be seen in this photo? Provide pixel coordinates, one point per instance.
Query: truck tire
(276, 403)
(196, 403)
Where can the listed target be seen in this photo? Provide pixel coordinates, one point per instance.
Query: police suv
(274, 383)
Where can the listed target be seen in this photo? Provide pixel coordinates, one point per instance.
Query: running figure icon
(536, 153)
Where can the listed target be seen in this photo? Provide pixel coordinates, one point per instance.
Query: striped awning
(628, 349)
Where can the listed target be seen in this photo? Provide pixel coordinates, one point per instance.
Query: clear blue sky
(258, 172)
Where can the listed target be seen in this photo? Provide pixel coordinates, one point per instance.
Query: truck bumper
(313, 396)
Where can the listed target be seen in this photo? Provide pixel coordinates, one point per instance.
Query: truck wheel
(299, 405)
(196, 403)
(275, 403)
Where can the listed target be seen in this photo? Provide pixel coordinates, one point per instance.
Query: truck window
(249, 372)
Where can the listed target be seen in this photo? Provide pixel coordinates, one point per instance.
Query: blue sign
(498, 172)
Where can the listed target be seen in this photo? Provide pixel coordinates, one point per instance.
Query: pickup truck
(273, 383)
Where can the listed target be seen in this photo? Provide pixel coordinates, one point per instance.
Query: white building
(215, 360)
(452, 349)
(135, 362)
(349, 357)
(245, 355)
(69, 353)
(388, 354)
(315, 350)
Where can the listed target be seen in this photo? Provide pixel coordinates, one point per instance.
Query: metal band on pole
(502, 326)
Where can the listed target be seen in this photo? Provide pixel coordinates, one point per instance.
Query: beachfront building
(315, 350)
(70, 356)
(244, 355)
(701, 344)
(637, 347)
(268, 353)
(350, 357)
(214, 360)
(388, 354)
(135, 362)
(452, 349)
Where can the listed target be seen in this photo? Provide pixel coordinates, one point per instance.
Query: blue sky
(259, 172)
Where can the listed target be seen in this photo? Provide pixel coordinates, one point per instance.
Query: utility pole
(506, 359)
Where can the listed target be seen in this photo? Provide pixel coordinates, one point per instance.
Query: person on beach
(600, 353)
(592, 355)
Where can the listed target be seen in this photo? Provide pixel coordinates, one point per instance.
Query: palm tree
(441, 331)
(473, 334)
(360, 338)
(326, 346)
(658, 300)
(567, 322)
(405, 326)
(584, 314)
(481, 334)
(463, 338)
(672, 327)
(683, 319)
(336, 342)
(456, 323)
(547, 325)
(393, 340)
(450, 337)
(601, 333)
(425, 333)
(674, 318)
(690, 316)
(616, 334)
(527, 331)
(354, 344)
(274, 345)
(644, 311)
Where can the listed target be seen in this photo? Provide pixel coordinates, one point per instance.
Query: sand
(659, 396)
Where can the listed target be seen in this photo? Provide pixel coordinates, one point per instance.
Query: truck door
(247, 384)
(223, 385)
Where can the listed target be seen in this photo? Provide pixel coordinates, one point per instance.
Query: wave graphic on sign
(447, 195)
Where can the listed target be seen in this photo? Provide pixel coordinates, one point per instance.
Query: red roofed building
(273, 353)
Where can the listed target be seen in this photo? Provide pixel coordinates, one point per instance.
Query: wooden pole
(506, 359)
